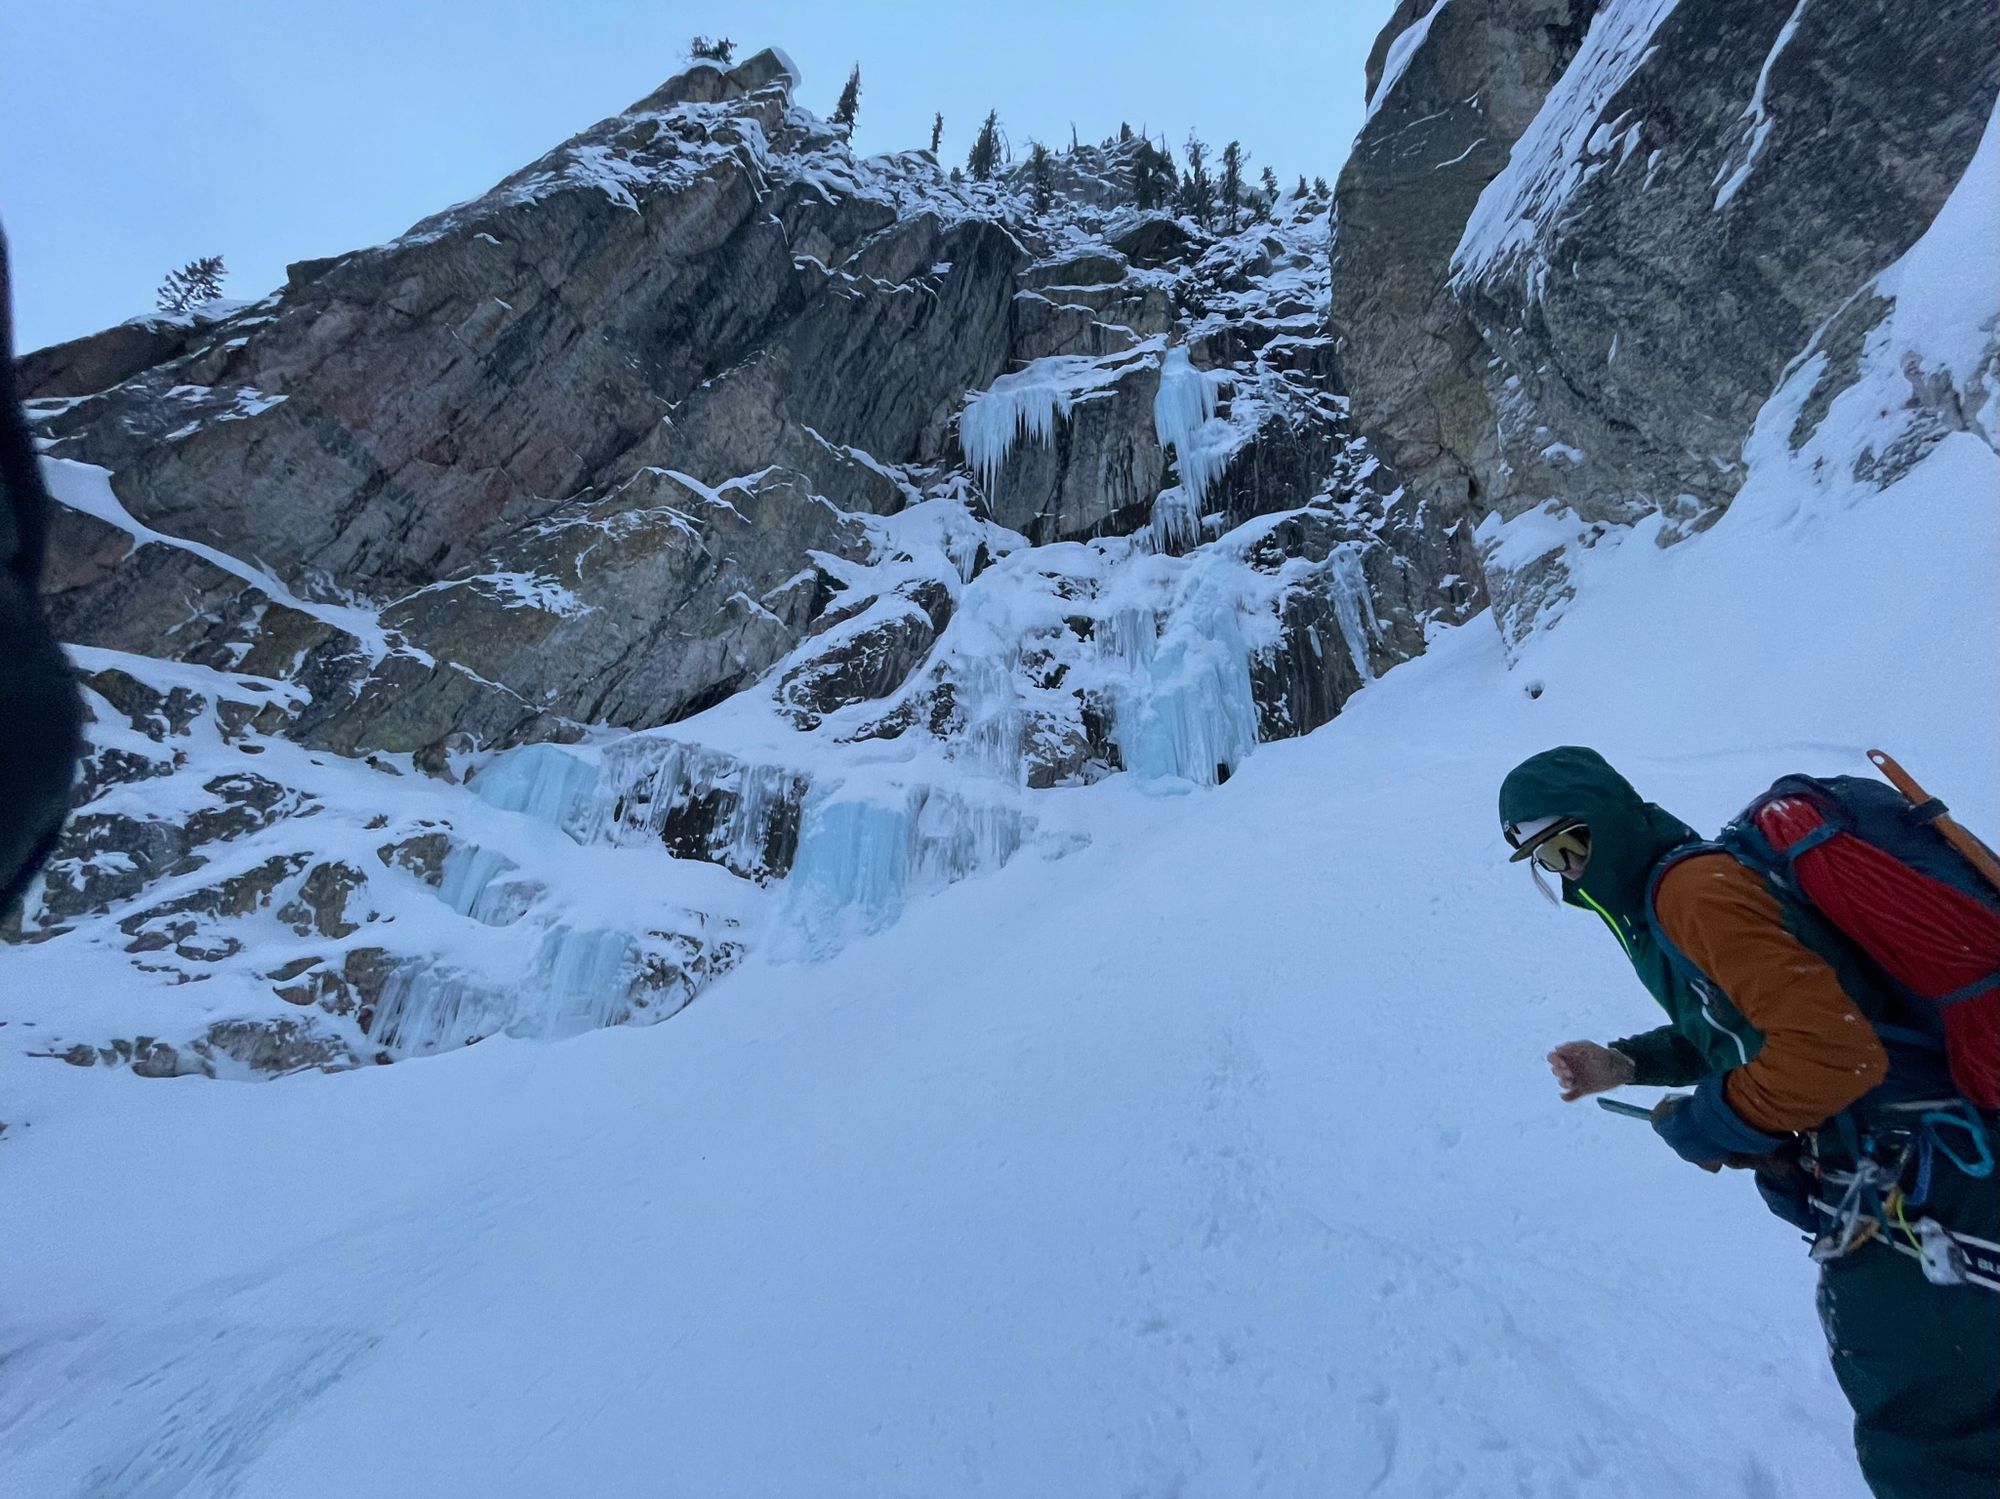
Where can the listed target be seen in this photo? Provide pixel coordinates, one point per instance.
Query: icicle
(997, 416)
(1182, 412)
(1027, 402)
(700, 803)
(1176, 524)
(474, 883)
(582, 982)
(849, 876)
(862, 858)
(986, 693)
(1352, 599)
(426, 1009)
(953, 839)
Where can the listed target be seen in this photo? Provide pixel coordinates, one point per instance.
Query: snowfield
(1214, 1158)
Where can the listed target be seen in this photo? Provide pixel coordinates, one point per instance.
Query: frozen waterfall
(543, 781)
(1184, 420)
(576, 981)
(862, 855)
(1184, 707)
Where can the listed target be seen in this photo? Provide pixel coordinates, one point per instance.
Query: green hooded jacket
(1629, 836)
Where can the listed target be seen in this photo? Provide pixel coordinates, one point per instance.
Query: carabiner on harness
(1959, 1117)
(1859, 1215)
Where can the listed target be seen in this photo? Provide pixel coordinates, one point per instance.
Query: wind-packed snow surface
(1213, 1157)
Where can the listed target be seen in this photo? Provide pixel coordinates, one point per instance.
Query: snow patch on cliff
(1560, 149)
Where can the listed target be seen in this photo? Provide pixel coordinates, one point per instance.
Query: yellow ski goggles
(1556, 844)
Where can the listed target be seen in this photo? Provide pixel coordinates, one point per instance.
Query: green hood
(1628, 834)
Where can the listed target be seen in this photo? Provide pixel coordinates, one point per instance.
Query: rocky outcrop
(867, 659)
(562, 456)
(1720, 215)
(98, 361)
(269, 1048)
(1580, 242)
(1467, 81)
(483, 431)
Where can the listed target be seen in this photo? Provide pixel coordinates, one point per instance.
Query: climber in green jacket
(1772, 1020)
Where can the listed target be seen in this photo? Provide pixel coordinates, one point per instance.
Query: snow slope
(1214, 1158)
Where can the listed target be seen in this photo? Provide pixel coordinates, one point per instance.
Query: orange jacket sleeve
(1820, 1053)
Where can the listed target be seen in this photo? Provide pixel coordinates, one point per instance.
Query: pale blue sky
(138, 134)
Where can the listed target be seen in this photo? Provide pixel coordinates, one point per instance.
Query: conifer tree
(1232, 182)
(1272, 191)
(1197, 187)
(720, 49)
(195, 283)
(985, 153)
(1124, 133)
(937, 136)
(1041, 177)
(1300, 190)
(1145, 178)
(1319, 187)
(850, 100)
(1152, 176)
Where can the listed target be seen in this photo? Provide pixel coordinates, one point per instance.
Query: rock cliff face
(1581, 240)
(764, 532)
(708, 541)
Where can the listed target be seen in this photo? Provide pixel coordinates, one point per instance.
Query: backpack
(1901, 882)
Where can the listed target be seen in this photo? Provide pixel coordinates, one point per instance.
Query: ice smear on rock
(1353, 607)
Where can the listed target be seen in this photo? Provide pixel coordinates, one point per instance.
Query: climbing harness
(1873, 1203)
